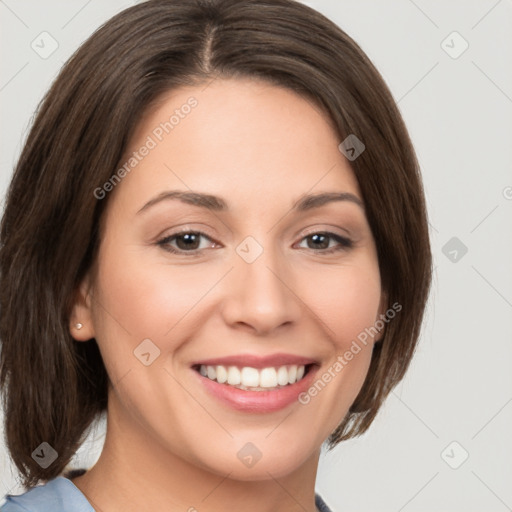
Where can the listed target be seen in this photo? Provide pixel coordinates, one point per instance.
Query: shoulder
(319, 502)
(57, 495)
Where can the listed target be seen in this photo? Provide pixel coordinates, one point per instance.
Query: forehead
(243, 139)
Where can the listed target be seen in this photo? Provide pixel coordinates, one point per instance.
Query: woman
(216, 233)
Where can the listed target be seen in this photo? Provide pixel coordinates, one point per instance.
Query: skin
(170, 445)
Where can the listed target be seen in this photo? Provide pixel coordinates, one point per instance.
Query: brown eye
(320, 242)
(186, 242)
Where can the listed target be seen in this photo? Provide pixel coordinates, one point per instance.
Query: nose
(259, 296)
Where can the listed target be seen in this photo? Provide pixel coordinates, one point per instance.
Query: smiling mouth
(248, 378)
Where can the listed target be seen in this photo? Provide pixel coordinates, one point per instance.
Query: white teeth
(292, 374)
(252, 378)
(233, 376)
(268, 378)
(222, 374)
(211, 372)
(282, 376)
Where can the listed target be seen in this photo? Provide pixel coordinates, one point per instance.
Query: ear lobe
(81, 313)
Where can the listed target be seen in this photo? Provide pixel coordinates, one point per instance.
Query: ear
(383, 307)
(81, 313)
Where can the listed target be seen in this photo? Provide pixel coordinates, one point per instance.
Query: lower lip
(258, 401)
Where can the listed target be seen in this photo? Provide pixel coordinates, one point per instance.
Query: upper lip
(256, 361)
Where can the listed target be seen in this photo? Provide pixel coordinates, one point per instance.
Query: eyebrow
(215, 203)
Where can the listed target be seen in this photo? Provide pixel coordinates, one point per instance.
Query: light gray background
(459, 113)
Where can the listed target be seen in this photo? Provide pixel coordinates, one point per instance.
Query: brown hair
(55, 387)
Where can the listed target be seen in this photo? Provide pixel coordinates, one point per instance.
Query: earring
(78, 326)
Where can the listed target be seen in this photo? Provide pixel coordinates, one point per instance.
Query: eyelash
(344, 243)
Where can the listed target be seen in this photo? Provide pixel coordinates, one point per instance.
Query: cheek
(346, 300)
(138, 301)
(146, 300)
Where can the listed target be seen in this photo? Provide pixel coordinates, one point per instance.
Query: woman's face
(261, 285)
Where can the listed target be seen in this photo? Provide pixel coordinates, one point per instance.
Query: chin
(259, 460)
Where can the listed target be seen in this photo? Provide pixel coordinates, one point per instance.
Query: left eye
(319, 240)
(189, 242)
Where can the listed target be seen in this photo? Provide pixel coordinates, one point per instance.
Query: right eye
(186, 242)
